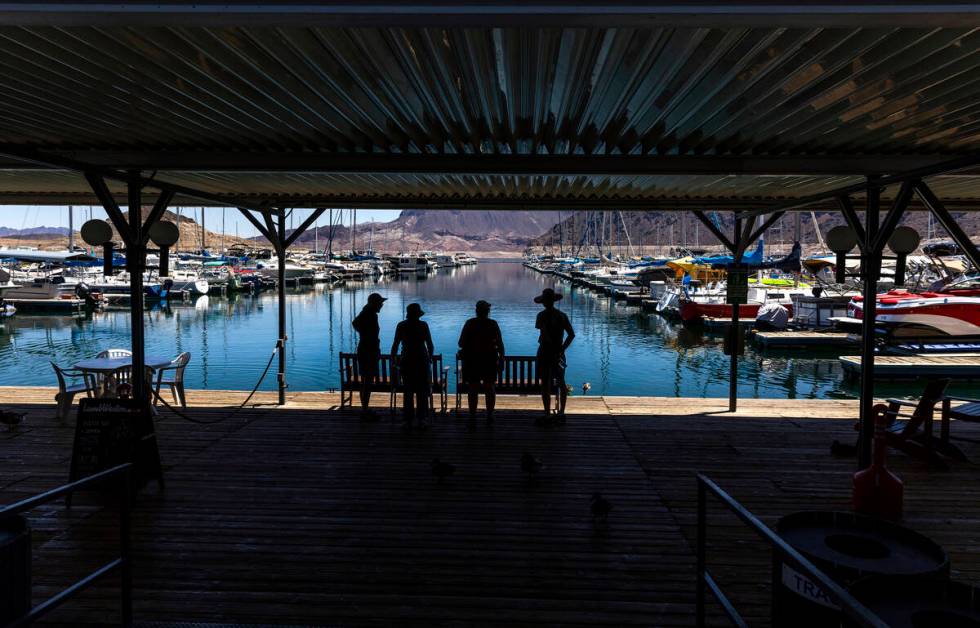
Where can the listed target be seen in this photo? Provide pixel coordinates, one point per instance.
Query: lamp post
(164, 234)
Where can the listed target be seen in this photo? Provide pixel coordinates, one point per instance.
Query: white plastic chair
(175, 382)
(67, 390)
(114, 353)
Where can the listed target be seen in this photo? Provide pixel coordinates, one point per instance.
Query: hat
(482, 305)
(374, 297)
(548, 295)
(414, 309)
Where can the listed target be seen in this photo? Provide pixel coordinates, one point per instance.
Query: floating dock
(724, 323)
(802, 339)
(956, 366)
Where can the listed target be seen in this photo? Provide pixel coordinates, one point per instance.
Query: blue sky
(22, 216)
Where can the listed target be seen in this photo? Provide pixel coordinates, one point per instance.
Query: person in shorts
(482, 351)
(556, 334)
(368, 350)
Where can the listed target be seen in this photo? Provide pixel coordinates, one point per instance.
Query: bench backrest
(435, 376)
(350, 370)
(519, 374)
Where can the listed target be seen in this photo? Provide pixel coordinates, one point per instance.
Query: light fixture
(904, 240)
(99, 233)
(164, 234)
(841, 239)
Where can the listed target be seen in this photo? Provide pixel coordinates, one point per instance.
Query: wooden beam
(714, 230)
(101, 191)
(304, 226)
(258, 225)
(851, 218)
(893, 217)
(160, 206)
(948, 222)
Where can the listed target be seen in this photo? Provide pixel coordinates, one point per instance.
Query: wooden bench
(440, 384)
(350, 377)
(915, 436)
(387, 380)
(517, 376)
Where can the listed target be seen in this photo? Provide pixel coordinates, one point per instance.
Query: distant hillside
(660, 230)
(448, 230)
(33, 232)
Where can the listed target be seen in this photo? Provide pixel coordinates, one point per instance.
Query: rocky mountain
(33, 232)
(657, 231)
(447, 230)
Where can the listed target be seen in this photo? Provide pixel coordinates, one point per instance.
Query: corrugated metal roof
(465, 91)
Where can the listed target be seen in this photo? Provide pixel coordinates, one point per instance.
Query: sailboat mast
(629, 242)
(353, 231)
(203, 244)
(222, 230)
(71, 228)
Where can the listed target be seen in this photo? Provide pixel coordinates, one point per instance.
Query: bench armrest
(902, 402)
(955, 398)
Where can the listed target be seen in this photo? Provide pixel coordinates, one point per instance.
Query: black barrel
(846, 547)
(917, 602)
(15, 569)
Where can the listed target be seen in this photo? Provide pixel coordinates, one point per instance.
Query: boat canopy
(54, 257)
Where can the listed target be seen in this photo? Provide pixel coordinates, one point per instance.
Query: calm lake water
(618, 349)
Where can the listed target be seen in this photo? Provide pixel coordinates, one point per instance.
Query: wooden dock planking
(957, 366)
(801, 339)
(305, 515)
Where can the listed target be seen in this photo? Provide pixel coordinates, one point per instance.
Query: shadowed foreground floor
(304, 515)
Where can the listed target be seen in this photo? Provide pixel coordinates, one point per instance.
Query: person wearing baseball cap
(556, 334)
(368, 350)
(482, 351)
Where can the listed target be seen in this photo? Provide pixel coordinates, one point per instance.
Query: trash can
(847, 547)
(15, 569)
(918, 602)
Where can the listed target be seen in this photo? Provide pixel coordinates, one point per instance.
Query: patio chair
(67, 390)
(915, 436)
(114, 353)
(176, 381)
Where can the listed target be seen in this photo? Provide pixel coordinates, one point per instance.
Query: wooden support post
(870, 268)
(280, 246)
(134, 233)
(736, 328)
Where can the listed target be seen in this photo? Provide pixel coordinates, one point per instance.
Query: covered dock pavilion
(756, 108)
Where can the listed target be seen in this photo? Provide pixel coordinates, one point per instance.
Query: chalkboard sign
(109, 432)
(737, 285)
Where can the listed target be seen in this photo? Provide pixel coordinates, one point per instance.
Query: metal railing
(122, 563)
(850, 607)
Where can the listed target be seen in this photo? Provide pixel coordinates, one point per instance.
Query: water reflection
(618, 349)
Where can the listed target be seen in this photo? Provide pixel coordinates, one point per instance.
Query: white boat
(292, 271)
(444, 260)
(187, 281)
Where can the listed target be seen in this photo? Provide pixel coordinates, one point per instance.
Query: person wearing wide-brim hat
(481, 348)
(555, 337)
(368, 349)
(414, 364)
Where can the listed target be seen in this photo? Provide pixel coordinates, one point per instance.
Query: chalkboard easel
(109, 432)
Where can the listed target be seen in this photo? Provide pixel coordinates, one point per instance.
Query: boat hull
(692, 311)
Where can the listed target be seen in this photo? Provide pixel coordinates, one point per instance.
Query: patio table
(105, 367)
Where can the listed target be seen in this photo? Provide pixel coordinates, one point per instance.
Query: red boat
(952, 311)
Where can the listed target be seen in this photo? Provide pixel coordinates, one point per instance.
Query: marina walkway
(304, 515)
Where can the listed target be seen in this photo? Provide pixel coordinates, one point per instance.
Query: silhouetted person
(414, 364)
(482, 349)
(368, 349)
(556, 335)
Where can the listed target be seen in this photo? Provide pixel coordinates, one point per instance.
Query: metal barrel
(15, 569)
(847, 547)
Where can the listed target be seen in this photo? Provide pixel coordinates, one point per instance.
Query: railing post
(126, 570)
(701, 548)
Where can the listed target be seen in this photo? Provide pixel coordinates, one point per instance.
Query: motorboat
(291, 270)
(951, 311)
(444, 260)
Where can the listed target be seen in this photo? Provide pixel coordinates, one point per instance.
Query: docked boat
(951, 311)
(292, 271)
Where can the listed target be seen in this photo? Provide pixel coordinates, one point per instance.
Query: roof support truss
(930, 200)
